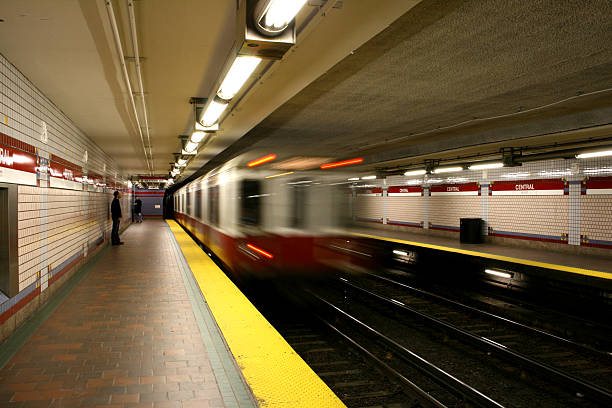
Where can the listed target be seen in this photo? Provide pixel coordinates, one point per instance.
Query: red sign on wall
(15, 159)
(530, 187)
(374, 192)
(455, 189)
(597, 185)
(63, 169)
(405, 191)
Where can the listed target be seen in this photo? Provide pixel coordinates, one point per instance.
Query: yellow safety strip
(564, 268)
(276, 374)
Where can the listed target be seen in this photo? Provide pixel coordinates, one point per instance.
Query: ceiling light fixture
(447, 169)
(273, 16)
(190, 147)
(342, 163)
(353, 179)
(589, 155)
(200, 127)
(484, 166)
(261, 160)
(197, 137)
(415, 172)
(498, 273)
(213, 112)
(241, 70)
(181, 162)
(368, 177)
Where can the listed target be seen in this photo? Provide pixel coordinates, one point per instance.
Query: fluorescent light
(484, 166)
(368, 177)
(241, 70)
(181, 162)
(199, 126)
(190, 147)
(197, 137)
(415, 172)
(213, 112)
(353, 179)
(400, 253)
(447, 169)
(498, 273)
(279, 13)
(589, 155)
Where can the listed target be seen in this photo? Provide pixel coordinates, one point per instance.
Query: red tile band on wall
(597, 185)
(530, 187)
(405, 191)
(455, 189)
(374, 192)
(63, 169)
(17, 144)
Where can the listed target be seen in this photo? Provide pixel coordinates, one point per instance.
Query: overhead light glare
(190, 147)
(241, 70)
(353, 179)
(260, 251)
(181, 162)
(342, 163)
(368, 177)
(262, 160)
(498, 273)
(415, 172)
(588, 155)
(400, 253)
(197, 137)
(213, 112)
(279, 174)
(484, 166)
(447, 170)
(279, 13)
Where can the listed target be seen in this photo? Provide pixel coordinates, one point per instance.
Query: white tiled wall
(54, 225)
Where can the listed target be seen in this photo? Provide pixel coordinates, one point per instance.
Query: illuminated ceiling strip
(280, 174)
(341, 163)
(261, 160)
(260, 251)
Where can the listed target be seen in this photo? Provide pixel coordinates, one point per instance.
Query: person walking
(138, 209)
(116, 216)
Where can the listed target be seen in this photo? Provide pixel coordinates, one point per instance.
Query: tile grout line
(225, 366)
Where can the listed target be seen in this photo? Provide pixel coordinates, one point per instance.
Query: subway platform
(154, 323)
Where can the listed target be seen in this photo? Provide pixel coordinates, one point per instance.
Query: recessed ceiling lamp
(213, 112)
(589, 155)
(415, 172)
(484, 166)
(447, 170)
(273, 16)
(241, 70)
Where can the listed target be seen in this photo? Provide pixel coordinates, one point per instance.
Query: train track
(530, 362)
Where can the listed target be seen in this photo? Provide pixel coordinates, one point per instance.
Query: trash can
(470, 230)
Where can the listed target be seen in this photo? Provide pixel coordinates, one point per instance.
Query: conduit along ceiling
(394, 82)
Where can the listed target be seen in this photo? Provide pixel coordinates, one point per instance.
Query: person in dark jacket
(116, 216)
(138, 209)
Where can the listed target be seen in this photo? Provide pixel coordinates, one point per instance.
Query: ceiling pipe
(126, 78)
(132, 17)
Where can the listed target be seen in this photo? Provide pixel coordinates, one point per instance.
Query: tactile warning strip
(277, 375)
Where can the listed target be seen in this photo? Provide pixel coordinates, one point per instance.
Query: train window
(189, 203)
(298, 205)
(213, 205)
(250, 202)
(198, 204)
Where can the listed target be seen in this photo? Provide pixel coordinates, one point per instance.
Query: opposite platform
(126, 335)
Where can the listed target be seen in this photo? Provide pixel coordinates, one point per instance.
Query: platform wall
(64, 188)
(559, 203)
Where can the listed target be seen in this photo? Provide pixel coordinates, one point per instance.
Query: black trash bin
(470, 230)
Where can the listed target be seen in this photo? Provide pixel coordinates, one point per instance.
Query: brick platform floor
(126, 336)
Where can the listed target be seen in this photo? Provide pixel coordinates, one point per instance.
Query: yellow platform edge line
(277, 375)
(564, 268)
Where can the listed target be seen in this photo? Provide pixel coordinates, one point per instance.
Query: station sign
(405, 191)
(370, 192)
(16, 165)
(466, 189)
(65, 174)
(596, 186)
(530, 187)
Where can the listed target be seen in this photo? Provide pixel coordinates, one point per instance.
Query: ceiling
(394, 82)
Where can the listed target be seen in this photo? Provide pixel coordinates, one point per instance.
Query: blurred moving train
(264, 222)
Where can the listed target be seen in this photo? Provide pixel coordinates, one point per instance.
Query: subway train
(263, 220)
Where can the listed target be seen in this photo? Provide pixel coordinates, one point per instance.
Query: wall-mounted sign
(370, 192)
(597, 185)
(405, 191)
(530, 187)
(16, 165)
(469, 189)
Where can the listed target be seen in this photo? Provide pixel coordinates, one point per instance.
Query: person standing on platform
(116, 216)
(138, 209)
